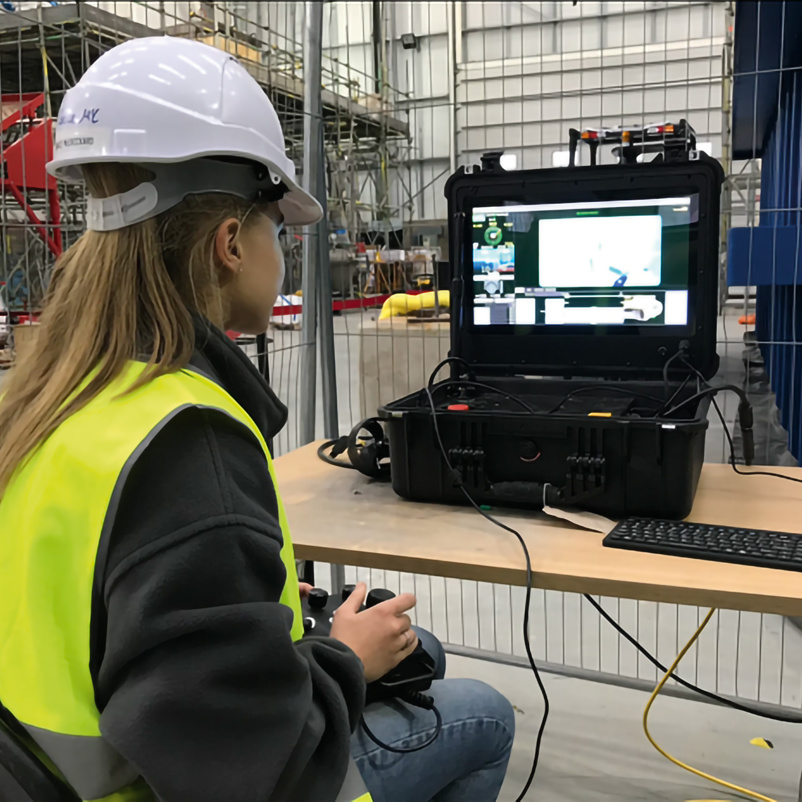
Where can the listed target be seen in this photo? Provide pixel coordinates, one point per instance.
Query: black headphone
(369, 454)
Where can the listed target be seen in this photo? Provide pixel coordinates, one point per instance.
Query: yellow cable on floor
(656, 691)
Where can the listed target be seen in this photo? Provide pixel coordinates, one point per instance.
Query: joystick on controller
(412, 675)
(377, 596)
(318, 598)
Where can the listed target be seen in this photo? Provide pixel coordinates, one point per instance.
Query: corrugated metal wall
(526, 72)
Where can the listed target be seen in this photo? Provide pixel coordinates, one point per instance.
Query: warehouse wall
(151, 14)
(526, 72)
(512, 75)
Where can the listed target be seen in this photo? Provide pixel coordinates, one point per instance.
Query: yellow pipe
(402, 304)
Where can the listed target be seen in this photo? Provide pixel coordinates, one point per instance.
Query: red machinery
(27, 147)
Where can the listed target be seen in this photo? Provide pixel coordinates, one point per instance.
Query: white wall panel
(429, 18)
(431, 74)
(530, 70)
(352, 63)
(282, 24)
(481, 46)
(635, 26)
(347, 23)
(678, 27)
(403, 14)
(473, 16)
(654, 74)
(428, 124)
(590, 107)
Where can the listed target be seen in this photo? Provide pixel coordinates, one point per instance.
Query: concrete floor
(594, 749)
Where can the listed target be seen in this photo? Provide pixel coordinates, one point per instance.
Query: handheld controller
(411, 676)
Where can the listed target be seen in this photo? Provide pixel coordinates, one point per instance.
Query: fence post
(314, 183)
(316, 281)
(328, 368)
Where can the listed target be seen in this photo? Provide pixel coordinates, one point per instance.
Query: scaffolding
(45, 48)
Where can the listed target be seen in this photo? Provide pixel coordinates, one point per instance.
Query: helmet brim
(299, 207)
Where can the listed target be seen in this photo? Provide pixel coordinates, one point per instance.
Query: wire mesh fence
(409, 91)
(44, 49)
(516, 76)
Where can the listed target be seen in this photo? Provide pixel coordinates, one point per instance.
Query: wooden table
(341, 517)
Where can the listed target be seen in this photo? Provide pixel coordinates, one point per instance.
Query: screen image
(602, 263)
(601, 251)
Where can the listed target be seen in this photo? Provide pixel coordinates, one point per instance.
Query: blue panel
(764, 255)
(767, 122)
(767, 40)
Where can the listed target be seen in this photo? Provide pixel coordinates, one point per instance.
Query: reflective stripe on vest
(55, 517)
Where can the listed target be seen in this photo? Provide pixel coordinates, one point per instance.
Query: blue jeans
(466, 763)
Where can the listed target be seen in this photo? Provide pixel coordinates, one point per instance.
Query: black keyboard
(727, 544)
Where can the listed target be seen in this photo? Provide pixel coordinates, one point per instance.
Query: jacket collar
(224, 362)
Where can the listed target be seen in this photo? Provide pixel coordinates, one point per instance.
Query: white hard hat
(176, 107)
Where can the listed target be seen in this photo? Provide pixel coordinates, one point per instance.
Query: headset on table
(367, 448)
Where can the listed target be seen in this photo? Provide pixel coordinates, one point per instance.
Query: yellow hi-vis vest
(54, 517)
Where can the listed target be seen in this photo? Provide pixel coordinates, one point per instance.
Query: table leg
(307, 572)
(337, 578)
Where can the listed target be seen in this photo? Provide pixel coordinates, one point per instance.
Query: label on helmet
(72, 138)
(88, 115)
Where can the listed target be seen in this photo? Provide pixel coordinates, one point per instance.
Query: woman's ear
(227, 247)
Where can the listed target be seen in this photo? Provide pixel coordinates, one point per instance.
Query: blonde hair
(116, 296)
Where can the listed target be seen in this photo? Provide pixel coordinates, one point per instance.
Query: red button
(458, 408)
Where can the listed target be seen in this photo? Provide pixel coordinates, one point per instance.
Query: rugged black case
(621, 465)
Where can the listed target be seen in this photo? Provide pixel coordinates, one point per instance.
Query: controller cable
(748, 434)
(457, 478)
(338, 446)
(488, 388)
(421, 700)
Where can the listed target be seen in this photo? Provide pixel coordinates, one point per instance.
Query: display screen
(602, 263)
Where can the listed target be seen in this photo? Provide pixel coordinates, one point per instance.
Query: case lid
(585, 271)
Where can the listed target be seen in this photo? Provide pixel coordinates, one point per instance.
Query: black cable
(487, 387)
(337, 447)
(676, 393)
(745, 414)
(680, 354)
(763, 473)
(451, 360)
(527, 646)
(734, 464)
(731, 443)
(407, 750)
(709, 390)
(789, 719)
(517, 399)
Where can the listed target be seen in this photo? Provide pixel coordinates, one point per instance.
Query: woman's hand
(304, 588)
(381, 636)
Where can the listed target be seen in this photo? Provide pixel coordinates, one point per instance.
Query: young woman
(149, 617)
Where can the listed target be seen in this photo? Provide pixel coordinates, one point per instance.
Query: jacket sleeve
(199, 684)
